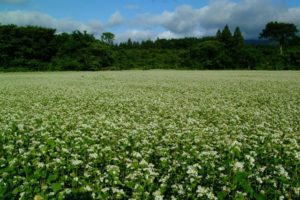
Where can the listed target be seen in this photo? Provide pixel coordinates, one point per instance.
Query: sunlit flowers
(150, 135)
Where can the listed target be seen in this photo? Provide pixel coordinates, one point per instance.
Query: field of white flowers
(150, 135)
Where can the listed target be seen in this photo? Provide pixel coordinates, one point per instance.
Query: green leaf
(52, 178)
(16, 191)
(247, 187)
(56, 187)
(222, 195)
(259, 196)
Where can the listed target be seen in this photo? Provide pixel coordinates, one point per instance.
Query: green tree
(238, 39)
(226, 36)
(82, 51)
(219, 35)
(209, 55)
(26, 48)
(108, 38)
(129, 43)
(280, 32)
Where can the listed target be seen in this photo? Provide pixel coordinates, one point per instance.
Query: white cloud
(140, 35)
(182, 19)
(292, 15)
(115, 19)
(250, 15)
(167, 35)
(24, 18)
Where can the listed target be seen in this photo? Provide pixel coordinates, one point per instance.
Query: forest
(32, 48)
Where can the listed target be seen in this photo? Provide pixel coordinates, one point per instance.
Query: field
(150, 135)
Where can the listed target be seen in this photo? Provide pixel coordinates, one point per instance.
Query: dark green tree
(108, 38)
(129, 43)
(280, 32)
(81, 51)
(237, 39)
(26, 48)
(226, 36)
(219, 35)
(209, 55)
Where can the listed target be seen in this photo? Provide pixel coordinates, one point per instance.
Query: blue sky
(149, 19)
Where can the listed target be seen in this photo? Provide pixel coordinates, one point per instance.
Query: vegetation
(280, 32)
(41, 49)
(150, 135)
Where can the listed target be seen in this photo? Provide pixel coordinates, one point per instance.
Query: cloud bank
(24, 18)
(250, 15)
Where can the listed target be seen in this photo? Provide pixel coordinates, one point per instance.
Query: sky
(150, 19)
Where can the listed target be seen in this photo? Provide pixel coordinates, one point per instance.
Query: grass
(154, 134)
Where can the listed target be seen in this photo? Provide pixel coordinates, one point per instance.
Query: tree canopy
(36, 49)
(280, 32)
(108, 38)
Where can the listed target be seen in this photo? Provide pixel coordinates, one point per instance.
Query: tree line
(33, 48)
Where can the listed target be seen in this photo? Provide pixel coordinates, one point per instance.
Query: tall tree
(238, 38)
(226, 36)
(280, 32)
(129, 43)
(219, 35)
(108, 38)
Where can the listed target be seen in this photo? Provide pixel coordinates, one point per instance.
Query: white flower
(113, 169)
(259, 180)
(76, 162)
(193, 170)
(118, 191)
(180, 189)
(40, 165)
(93, 155)
(87, 188)
(104, 190)
(201, 191)
(297, 190)
(282, 172)
(281, 197)
(251, 160)
(238, 166)
(67, 191)
(157, 195)
(221, 168)
(21, 127)
(136, 154)
(262, 169)
(143, 162)
(86, 174)
(205, 192)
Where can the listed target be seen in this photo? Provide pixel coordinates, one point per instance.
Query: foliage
(226, 36)
(108, 38)
(280, 32)
(237, 39)
(33, 48)
(26, 47)
(208, 55)
(150, 135)
(37, 49)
